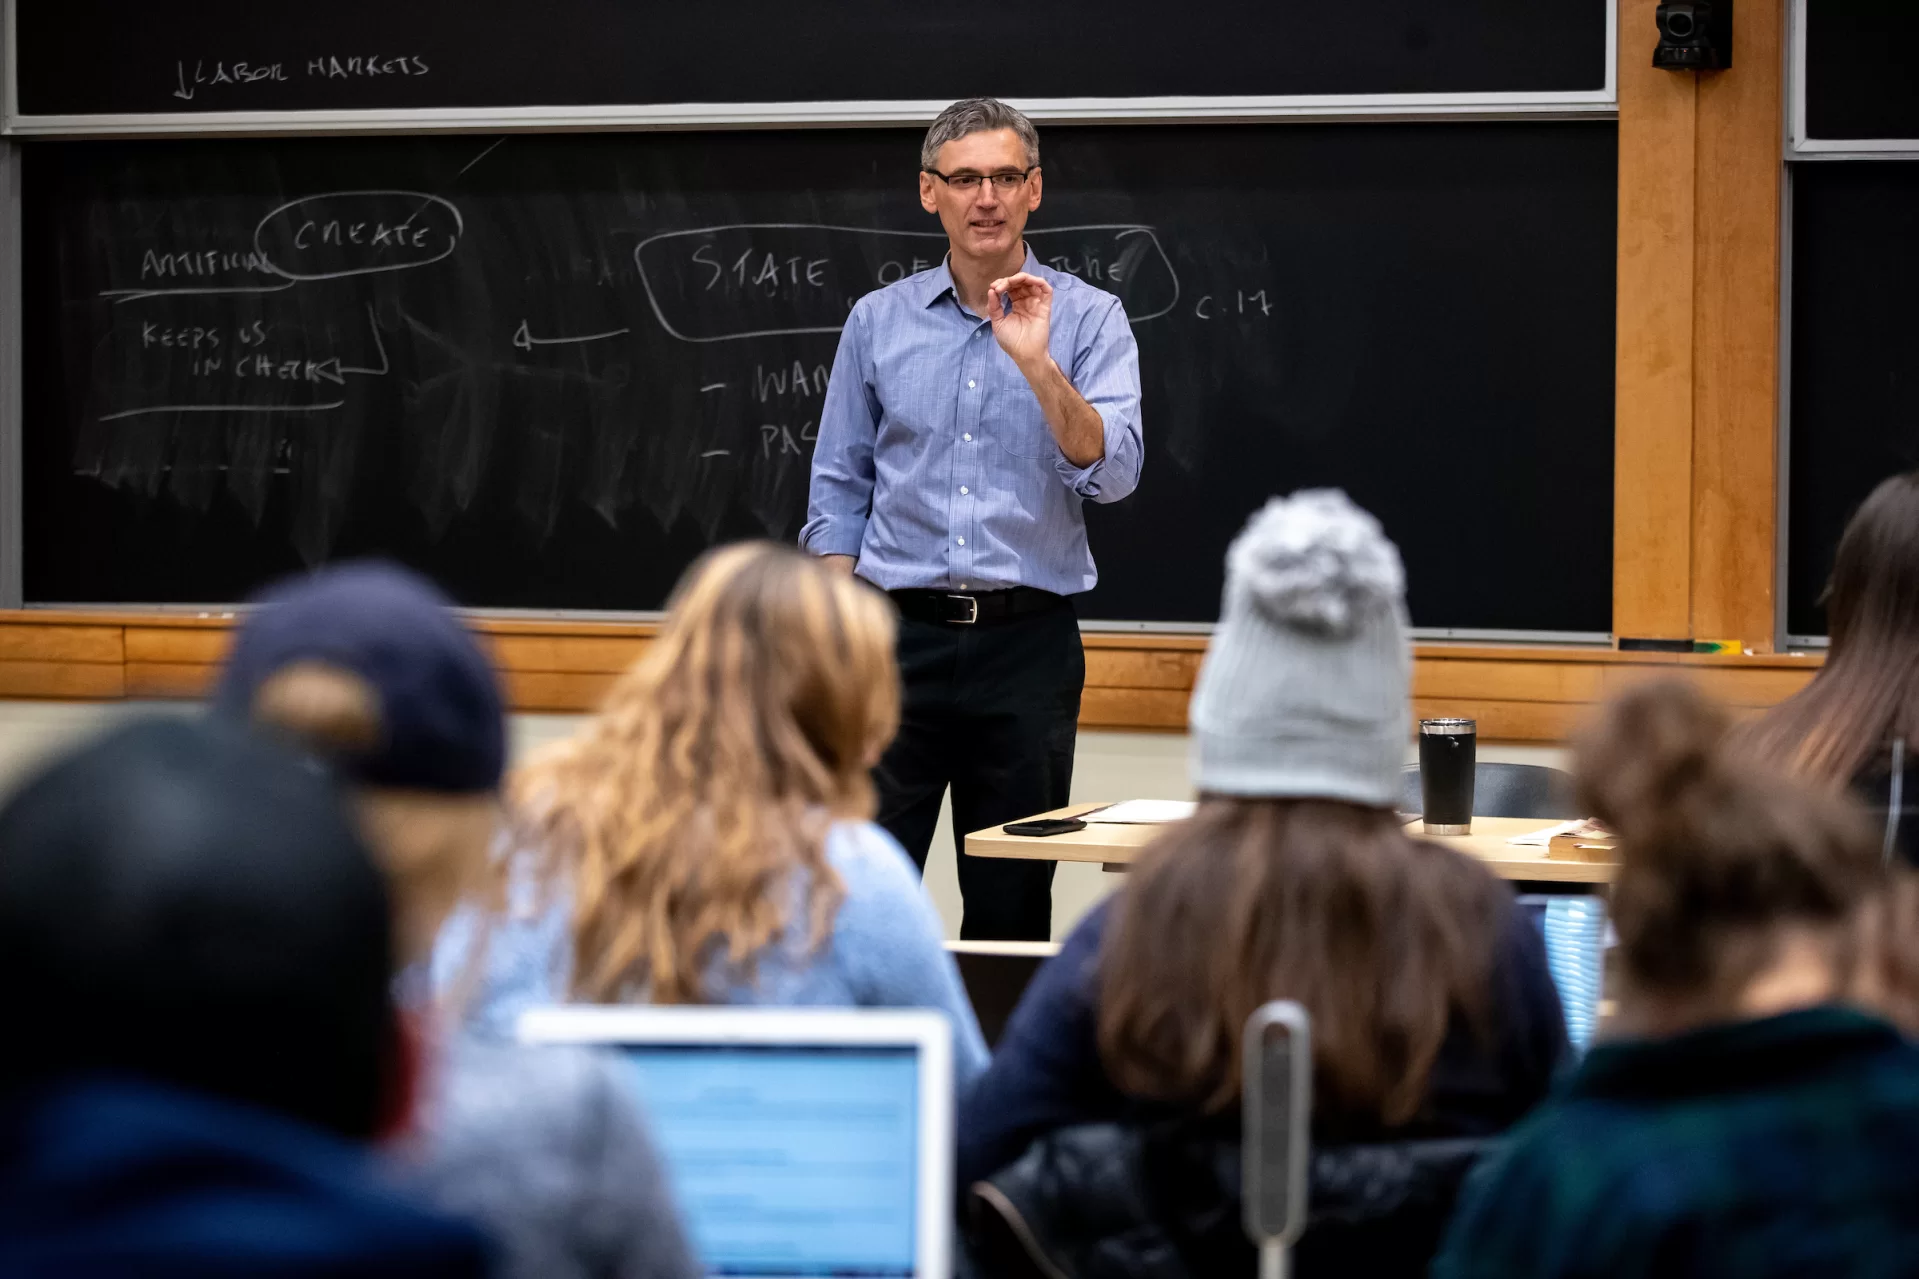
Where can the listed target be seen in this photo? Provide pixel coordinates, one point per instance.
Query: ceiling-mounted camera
(1694, 35)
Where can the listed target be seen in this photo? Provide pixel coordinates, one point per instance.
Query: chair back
(995, 974)
(1505, 790)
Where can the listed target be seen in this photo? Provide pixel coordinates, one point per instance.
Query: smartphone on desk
(1045, 826)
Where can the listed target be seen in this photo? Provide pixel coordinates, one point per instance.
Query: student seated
(197, 959)
(1750, 1120)
(707, 836)
(1857, 723)
(1107, 1127)
(365, 666)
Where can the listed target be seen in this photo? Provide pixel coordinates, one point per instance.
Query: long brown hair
(1719, 851)
(1383, 940)
(707, 781)
(1867, 694)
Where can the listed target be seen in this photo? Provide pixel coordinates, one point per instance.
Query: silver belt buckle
(971, 617)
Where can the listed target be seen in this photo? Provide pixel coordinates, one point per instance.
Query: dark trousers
(993, 711)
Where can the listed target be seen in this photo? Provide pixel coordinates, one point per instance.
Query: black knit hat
(182, 902)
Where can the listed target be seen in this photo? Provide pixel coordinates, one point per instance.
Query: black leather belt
(974, 608)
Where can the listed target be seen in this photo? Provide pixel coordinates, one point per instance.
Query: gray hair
(977, 115)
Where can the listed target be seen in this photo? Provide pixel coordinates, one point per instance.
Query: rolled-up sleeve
(840, 498)
(1106, 374)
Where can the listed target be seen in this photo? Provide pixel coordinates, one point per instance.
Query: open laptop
(800, 1142)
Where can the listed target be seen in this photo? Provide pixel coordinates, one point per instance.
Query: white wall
(1107, 766)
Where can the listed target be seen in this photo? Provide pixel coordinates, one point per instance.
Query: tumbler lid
(1448, 727)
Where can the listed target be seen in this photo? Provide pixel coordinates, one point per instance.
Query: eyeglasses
(1005, 183)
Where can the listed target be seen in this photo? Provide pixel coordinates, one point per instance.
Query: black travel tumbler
(1446, 750)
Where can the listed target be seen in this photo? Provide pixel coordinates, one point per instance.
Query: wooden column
(1736, 299)
(1696, 465)
(1653, 382)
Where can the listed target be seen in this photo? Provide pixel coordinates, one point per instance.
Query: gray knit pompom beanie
(1305, 692)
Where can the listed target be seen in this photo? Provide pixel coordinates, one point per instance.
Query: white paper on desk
(1142, 812)
(1544, 838)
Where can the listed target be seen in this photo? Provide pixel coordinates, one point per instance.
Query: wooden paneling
(62, 679)
(170, 679)
(1508, 721)
(60, 644)
(1467, 680)
(1140, 668)
(1734, 686)
(1736, 335)
(577, 653)
(1123, 708)
(1522, 694)
(190, 645)
(554, 690)
(1652, 445)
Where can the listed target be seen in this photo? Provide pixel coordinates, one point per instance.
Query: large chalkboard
(109, 56)
(1860, 82)
(1855, 357)
(550, 370)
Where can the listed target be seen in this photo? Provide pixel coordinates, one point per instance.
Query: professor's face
(985, 211)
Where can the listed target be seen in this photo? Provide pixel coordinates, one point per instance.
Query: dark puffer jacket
(1162, 1201)
(1047, 1075)
(1108, 1184)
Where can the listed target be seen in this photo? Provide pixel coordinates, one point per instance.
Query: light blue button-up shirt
(934, 464)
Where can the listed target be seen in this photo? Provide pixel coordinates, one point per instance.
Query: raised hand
(1021, 308)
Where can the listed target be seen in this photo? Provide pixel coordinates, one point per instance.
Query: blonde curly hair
(692, 810)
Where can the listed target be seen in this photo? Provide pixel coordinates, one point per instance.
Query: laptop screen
(1575, 931)
(789, 1160)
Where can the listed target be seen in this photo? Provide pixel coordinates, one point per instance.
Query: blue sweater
(884, 952)
(1047, 1074)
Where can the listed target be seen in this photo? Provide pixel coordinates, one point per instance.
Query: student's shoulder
(870, 861)
(1587, 1155)
(514, 1092)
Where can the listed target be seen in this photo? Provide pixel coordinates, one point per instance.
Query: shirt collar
(939, 281)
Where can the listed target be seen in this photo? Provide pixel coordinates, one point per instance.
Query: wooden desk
(1115, 846)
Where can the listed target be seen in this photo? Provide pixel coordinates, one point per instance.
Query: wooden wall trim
(1133, 681)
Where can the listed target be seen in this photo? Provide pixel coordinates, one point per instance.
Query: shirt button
(970, 384)
(962, 541)
(962, 586)
(967, 438)
(963, 490)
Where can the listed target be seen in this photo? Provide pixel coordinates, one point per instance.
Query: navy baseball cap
(442, 724)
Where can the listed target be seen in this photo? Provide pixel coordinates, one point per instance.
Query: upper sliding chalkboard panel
(1860, 84)
(109, 57)
(550, 370)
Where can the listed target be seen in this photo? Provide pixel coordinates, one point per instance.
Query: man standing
(972, 409)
